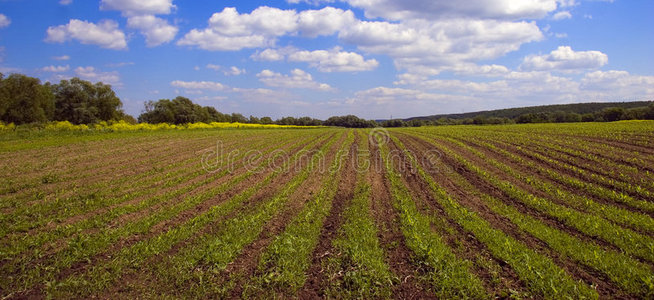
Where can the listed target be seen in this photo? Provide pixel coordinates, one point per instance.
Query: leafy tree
(649, 113)
(266, 120)
(612, 114)
(254, 120)
(82, 102)
(216, 116)
(24, 99)
(236, 117)
(182, 110)
(394, 123)
(349, 121)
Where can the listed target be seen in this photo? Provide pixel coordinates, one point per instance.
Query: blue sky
(318, 58)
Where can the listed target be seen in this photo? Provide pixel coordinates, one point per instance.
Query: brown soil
(316, 279)
(246, 263)
(603, 285)
(398, 255)
(81, 267)
(463, 244)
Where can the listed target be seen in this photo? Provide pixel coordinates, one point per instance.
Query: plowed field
(529, 211)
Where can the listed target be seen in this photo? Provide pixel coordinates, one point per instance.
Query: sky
(373, 58)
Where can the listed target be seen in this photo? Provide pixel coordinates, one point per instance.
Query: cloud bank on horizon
(372, 58)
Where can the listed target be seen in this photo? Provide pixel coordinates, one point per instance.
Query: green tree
(24, 99)
(236, 117)
(82, 102)
(612, 114)
(180, 110)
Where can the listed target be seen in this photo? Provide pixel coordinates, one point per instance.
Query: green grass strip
(101, 276)
(541, 275)
(193, 269)
(84, 246)
(361, 258)
(609, 212)
(286, 259)
(627, 240)
(450, 276)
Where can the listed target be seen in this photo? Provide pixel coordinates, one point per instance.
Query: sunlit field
(535, 211)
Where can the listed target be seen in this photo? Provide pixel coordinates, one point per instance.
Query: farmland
(528, 211)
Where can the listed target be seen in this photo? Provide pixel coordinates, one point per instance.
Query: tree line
(25, 100)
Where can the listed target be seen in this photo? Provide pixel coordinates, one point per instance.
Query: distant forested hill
(513, 113)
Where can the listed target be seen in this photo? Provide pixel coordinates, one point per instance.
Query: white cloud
(198, 85)
(231, 71)
(139, 7)
(93, 75)
(428, 47)
(229, 30)
(104, 34)
(326, 21)
(565, 59)
(272, 54)
(141, 15)
(213, 67)
(211, 98)
(313, 2)
(65, 2)
(334, 60)
(63, 57)
(613, 85)
(298, 79)
(439, 9)
(209, 40)
(156, 30)
(56, 69)
(234, 71)
(120, 64)
(4, 21)
(566, 3)
(385, 94)
(562, 15)
(386, 102)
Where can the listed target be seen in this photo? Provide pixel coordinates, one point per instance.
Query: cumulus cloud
(141, 15)
(65, 2)
(213, 67)
(234, 71)
(272, 54)
(438, 9)
(298, 79)
(565, 59)
(562, 15)
(618, 84)
(139, 7)
(198, 85)
(63, 57)
(104, 34)
(385, 94)
(334, 60)
(156, 30)
(94, 75)
(428, 47)
(4, 21)
(326, 21)
(229, 30)
(56, 69)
